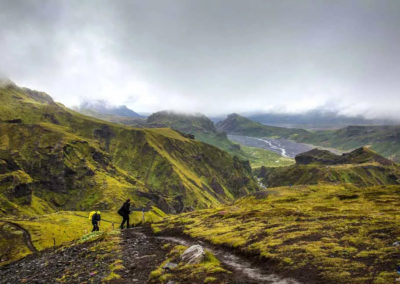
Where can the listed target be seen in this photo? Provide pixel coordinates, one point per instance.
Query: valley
(281, 146)
(264, 204)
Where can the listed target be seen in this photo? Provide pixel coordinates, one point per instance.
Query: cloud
(208, 56)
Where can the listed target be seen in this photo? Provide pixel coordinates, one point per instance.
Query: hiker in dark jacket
(124, 211)
(96, 218)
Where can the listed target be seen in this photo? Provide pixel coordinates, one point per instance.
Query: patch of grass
(261, 157)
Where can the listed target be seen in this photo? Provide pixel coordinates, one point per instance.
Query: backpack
(94, 216)
(91, 215)
(121, 210)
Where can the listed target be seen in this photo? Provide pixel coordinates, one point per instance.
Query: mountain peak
(104, 108)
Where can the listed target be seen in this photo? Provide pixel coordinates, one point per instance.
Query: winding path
(26, 235)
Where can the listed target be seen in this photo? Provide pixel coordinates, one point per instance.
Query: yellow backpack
(91, 215)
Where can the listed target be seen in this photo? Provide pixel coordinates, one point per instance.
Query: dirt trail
(142, 252)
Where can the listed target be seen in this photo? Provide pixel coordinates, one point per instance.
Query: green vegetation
(334, 233)
(261, 157)
(52, 158)
(361, 167)
(207, 271)
(60, 228)
(382, 139)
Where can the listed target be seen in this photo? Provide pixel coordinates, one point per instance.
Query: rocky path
(139, 252)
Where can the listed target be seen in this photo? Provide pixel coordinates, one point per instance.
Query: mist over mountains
(319, 118)
(105, 108)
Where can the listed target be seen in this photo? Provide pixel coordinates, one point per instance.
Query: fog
(213, 57)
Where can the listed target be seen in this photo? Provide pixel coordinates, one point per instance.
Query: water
(237, 263)
(281, 146)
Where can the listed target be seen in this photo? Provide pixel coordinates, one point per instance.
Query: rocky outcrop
(193, 255)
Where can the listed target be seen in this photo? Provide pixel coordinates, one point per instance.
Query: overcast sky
(208, 56)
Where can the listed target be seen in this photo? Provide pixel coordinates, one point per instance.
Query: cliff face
(52, 157)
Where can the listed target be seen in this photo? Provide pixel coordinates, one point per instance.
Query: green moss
(304, 227)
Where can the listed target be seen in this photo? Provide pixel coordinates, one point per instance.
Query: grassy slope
(75, 162)
(336, 234)
(266, 158)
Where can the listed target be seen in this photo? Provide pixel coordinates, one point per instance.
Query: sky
(208, 56)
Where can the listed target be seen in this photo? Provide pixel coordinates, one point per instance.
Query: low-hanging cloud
(208, 56)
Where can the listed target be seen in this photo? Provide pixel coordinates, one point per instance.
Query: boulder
(170, 266)
(193, 255)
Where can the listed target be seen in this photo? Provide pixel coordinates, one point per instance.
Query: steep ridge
(362, 167)
(52, 157)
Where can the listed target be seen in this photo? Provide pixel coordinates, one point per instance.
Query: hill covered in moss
(362, 167)
(54, 158)
(317, 233)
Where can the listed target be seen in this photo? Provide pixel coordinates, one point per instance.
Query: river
(281, 146)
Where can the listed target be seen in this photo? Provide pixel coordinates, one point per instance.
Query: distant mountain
(204, 130)
(103, 108)
(316, 119)
(362, 167)
(188, 123)
(198, 125)
(240, 125)
(384, 139)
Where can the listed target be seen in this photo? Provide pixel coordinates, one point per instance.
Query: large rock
(193, 255)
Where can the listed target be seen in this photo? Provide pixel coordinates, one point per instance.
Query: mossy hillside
(367, 174)
(84, 156)
(207, 271)
(204, 130)
(60, 229)
(12, 244)
(362, 167)
(334, 233)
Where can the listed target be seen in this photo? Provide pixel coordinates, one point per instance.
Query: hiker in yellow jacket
(95, 217)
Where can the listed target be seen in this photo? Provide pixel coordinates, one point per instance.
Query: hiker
(95, 217)
(124, 211)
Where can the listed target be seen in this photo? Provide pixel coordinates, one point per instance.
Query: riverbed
(281, 146)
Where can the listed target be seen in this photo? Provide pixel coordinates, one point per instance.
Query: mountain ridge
(74, 157)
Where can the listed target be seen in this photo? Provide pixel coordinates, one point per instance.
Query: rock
(171, 282)
(170, 265)
(193, 255)
(396, 244)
